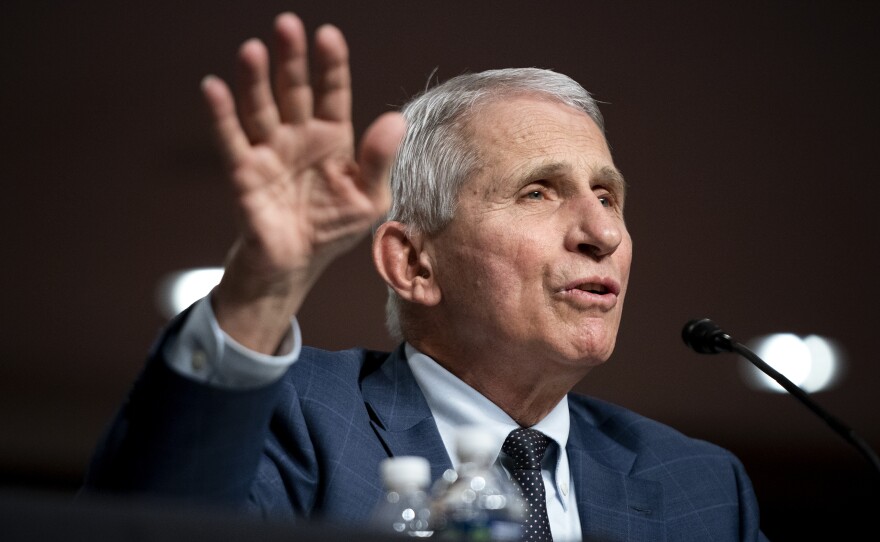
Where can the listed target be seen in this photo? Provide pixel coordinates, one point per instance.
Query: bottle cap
(405, 471)
(474, 444)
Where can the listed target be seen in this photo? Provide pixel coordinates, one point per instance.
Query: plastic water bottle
(405, 507)
(476, 502)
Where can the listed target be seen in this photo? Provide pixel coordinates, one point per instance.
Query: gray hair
(436, 157)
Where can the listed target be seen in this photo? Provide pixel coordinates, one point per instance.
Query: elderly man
(506, 257)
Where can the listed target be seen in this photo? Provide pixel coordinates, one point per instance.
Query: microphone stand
(706, 337)
(839, 427)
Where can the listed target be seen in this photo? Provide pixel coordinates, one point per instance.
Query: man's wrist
(204, 352)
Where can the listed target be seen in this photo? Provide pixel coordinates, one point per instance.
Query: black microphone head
(704, 336)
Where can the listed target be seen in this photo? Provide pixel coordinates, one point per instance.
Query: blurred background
(747, 132)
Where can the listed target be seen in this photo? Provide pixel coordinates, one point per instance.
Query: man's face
(536, 261)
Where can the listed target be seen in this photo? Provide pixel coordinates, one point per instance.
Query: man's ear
(404, 264)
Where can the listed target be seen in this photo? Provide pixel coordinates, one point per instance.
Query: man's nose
(594, 230)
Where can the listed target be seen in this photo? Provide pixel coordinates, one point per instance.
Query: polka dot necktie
(526, 447)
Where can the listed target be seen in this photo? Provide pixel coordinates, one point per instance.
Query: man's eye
(606, 201)
(535, 194)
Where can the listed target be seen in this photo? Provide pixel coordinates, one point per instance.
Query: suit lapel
(400, 415)
(612, 504)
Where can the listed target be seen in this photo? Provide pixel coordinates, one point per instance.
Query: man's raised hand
(303, 197)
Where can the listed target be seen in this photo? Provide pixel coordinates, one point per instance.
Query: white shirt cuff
(205, 353)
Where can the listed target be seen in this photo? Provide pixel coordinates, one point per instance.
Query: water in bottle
(405, 507)
(477, 502)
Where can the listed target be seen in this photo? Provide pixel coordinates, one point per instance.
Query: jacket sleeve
(177, 438)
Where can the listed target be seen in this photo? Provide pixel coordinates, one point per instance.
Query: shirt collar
(454, 404)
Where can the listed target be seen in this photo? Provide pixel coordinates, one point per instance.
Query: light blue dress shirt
(455, 404)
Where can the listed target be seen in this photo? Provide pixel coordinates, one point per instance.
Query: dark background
(747, 132)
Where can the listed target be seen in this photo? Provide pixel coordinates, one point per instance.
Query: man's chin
(593, 344)
(586, 356)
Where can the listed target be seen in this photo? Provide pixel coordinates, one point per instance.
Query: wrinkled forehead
(524, 129)
(518, 113)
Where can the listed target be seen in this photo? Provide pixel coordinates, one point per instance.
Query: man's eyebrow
(542, 171)
(612, 176)
(609, 176)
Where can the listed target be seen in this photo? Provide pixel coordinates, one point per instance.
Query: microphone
(706, 337)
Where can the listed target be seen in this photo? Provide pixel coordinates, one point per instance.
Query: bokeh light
(813, 363)
(181, 289)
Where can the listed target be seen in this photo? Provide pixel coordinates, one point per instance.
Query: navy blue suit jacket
(309, 446)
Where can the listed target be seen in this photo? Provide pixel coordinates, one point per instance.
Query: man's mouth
(593, 288)
(597, 286)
